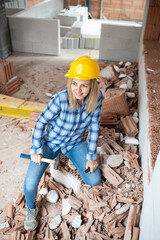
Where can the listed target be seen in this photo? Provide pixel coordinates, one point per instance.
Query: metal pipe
(101, 9)
(89, 5)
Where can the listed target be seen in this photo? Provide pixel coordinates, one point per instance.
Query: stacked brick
(118, 85)
(129, 126)
(8, 81)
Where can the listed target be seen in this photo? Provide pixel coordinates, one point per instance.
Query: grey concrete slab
(45, 49)
(75, 43)
(119, 44)
(70, 43)
(96, 44)
(64, 43)
(119, 41)
(22, 46)
(11, 11)
(117, 55)
(67, 20)
(76, 29)
(64, 30)
(82, 42)
(35, 31)
(46, 9)
(121, 32)
(89, 43)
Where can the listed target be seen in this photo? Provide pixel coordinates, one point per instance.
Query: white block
(76, 29)
(67, 180)
(82, 42)
(120, 41)
(75, 43)
(64, 30)
(96, 43)
(64, 43)
(67, 20)
(89, 43)
(115, 31)
(70, 43)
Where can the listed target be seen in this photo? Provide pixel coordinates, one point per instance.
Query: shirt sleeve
(93, 130)
(49, 113)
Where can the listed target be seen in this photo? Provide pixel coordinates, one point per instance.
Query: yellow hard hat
(83, 68)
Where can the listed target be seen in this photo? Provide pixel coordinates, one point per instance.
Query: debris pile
(8, 81)
(110, 210)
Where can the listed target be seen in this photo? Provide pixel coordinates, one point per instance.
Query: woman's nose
(79, 89)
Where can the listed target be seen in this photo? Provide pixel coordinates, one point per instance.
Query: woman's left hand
(92, 165)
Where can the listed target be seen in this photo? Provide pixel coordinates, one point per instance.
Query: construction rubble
(8, 81)
(110, 210)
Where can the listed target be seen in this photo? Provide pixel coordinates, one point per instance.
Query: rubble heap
(110, 210)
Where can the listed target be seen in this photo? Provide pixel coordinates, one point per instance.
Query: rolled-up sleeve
(93, 130)
(49, 113)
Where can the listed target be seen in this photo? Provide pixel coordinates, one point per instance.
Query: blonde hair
(92, 96)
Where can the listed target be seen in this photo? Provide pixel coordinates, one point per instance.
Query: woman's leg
(78, 156)
(34, 174)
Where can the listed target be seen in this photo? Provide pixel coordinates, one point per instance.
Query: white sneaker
(30, 222)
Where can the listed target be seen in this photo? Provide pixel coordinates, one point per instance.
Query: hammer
(53, 161)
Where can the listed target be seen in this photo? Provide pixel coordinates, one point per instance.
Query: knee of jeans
(30, 185)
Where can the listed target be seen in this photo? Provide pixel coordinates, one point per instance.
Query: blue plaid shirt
(60, 127)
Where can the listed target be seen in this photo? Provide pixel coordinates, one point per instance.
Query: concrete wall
(35, 35)
(46, 9)
(34, 30)
(120, 41)
(16, 4)
(11, 11)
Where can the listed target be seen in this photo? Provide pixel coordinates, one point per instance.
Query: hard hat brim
(69, 75)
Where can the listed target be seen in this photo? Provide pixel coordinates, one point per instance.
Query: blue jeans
(35, 171)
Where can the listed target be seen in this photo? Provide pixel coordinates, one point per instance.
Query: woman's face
(80, 88)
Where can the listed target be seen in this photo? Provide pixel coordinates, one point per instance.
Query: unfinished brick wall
(131, 10)
(152, 67)
(31, 3)
(152, 31)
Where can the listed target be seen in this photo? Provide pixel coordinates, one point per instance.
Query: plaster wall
(35, 35)
(35, 31)
(120, 41)
(46, 9)
(10, 11)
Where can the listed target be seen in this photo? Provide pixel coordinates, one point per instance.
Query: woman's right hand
(36, 158)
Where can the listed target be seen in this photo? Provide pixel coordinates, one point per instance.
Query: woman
(60, 128)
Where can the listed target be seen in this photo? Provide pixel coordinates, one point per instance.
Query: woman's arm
(93, 130)
(49, 113)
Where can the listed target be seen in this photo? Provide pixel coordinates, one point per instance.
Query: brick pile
(8, 81)
(110, 210)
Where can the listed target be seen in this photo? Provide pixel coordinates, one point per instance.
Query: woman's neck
(80, 102)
